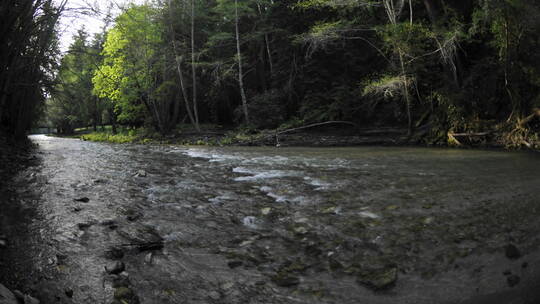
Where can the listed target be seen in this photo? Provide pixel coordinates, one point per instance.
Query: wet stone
(148, 259)
(214, 295)
(6, 296)
(285, 280)
(69, 293)
(114, 253)
(30, 300)
(141, 237)
(379, 279)
(82, 199)
(512, 252)
(512, 280)
(132, 215)
(120, 281)
(84, 226)
(235, 264)
(125, 295)
(115, 268)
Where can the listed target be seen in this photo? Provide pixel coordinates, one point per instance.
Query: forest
(433, 68)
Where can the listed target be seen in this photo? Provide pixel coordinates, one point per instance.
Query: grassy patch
(112, 138)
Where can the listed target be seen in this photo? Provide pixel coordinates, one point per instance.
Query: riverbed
(272, 225)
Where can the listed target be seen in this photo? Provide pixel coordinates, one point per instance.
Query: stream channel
(102, 223)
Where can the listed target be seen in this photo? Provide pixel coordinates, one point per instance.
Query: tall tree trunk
(193, 68)
(240, 73)
(405, 84)
(180, 72)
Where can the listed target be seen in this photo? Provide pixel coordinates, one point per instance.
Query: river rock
(125, 295)
(149, 258)
(114, 253)
(234, 264)
(512, 280)
(285, 280)
(69, 292)
(6, 296)
(133, 215)
(84, 226)
(512, 252)
(30, 300)
(379, 279)
(115, 268)
(141, 237)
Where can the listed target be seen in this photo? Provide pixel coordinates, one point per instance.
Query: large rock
(141, 237)
(6, 296)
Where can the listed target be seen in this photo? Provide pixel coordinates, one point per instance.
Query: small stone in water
(513, 280)
(141, 173)
(379, 279)
(234, 264)
(214, 295)
(69, 292)
(148, 258)
(512, 252)
(30, 300)
(115, 268)
(114, 253)
(82, 199)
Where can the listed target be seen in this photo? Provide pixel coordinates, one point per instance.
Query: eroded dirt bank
(100, 223)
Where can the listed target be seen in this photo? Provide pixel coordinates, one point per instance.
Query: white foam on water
(211, 156)
(263, 174)
(368, 214)
(317, 183)
(278, 198)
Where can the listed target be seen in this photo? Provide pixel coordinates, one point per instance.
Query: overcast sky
(87, 13)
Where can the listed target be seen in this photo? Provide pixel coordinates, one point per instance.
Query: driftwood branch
(526, 120)
(314, 125)
(317, 125)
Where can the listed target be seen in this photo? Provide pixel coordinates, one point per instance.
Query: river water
(272, 225)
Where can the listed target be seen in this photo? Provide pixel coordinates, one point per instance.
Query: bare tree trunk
(180, 73)
(405, 85)
(240, 73)
(193, 68)
(269, 52)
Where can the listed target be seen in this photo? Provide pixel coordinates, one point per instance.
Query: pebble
(115, 268)
(512, 252)
(149, 258)
(513, 280)
(30, 300)
(214, 295)
(234, 264)
(69, 292)
(114, 253)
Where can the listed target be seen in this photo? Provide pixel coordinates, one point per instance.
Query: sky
(87, 13)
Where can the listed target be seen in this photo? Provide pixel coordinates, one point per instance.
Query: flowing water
(272, 225)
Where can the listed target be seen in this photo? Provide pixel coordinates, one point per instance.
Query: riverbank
(499, 137)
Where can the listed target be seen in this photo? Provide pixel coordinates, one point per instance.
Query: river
(272, 225)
